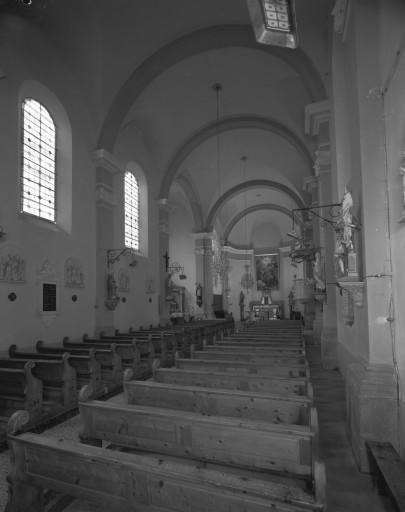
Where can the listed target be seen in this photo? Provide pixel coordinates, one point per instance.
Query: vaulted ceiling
(148, 69)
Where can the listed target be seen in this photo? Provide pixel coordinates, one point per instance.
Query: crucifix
(166, 257)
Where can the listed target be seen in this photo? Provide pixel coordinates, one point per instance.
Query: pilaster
(164, 215)
(203, 254)
(106, 167)
(317, 124)
(371, 408)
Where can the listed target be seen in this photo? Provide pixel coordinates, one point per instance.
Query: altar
(259, 311)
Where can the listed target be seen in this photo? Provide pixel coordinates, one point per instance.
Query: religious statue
(112, 299)
(111, 286)
(199, 295)
(347, 219)
(242, 305)
(339, 259)
(317, 273)
(169, 285)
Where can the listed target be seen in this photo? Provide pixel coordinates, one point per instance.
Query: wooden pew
(130, 481)
(20, 389)
(243, 342)
(279, 385)
(163, 347)
(108, 359)
(144, 347)
(88, 370)
(221, 402)
(256, 350)
(58, 380)
(276, 357)
(125, 355)
(265, 369)
(165, 343)
(261, 446)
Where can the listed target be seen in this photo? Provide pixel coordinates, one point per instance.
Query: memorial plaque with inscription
(49, 297)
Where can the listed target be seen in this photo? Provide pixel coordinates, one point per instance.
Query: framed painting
(267, 271)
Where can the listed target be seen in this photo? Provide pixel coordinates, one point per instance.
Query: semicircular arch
(251, 209)
(232, 192)
(225, 125)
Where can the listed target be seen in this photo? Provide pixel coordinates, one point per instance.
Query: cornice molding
(356, 290)
(315, 115)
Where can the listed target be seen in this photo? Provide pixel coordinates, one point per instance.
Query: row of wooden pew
(230, 428)
(45, 381)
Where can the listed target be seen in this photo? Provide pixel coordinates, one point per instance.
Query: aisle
(348, 490)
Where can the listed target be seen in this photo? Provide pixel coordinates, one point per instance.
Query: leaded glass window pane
(131, 200)
(277, 15)
(38, 161)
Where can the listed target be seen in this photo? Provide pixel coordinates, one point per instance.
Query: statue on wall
(345, 256)
(199, 295)
(169, 285)
(123, 281)
(112, 299)
(12, 268)
(318, 272)
(111, 286)
(242, 305)
(339, 258)
(74, 277)
(347, 219)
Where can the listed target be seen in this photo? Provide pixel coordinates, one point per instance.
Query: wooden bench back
(222, 440)
(126, 481)
(218, 402)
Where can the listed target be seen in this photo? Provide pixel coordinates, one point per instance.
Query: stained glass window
(131, 203)
(38, 161)
(277, 15)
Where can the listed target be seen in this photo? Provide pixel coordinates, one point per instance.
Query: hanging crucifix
(166, 257)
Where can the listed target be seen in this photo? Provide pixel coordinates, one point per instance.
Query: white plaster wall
(28, 56)
(140, 308)
(369, 113)
(393, 75)
(346, 170)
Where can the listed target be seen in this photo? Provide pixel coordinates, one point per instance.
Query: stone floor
(347, 489)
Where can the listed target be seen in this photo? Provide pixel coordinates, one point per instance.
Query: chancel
(202, 241)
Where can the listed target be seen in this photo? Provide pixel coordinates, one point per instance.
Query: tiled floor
(347, 489)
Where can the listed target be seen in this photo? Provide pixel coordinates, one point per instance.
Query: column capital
(201, 235)
(316, 114)
(107, 161)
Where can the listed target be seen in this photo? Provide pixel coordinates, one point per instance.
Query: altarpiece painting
(267, 271)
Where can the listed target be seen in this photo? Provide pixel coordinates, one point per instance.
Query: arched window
(131, 205)
(38, 161)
